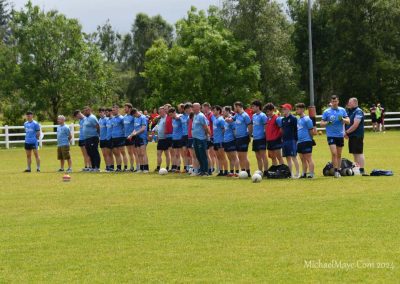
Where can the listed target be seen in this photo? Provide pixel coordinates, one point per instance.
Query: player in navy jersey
(88, 164)
(129, 124)
(218, 133)
(259, 138)
(334, 118)
(32, 131)
(289, 139)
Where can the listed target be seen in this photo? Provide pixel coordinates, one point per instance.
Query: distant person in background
(64, 138)
(374, 120)
(88, 165)
(91, 130)
(334, 119)
(380, 116)
(32, 130)
(355, 133)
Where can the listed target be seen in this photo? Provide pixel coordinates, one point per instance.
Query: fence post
(6, 138)
(72, 129)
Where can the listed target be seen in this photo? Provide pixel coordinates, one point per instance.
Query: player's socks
(225, 172)
(125, 167)
(248, 172)
(265, 173)
(178, 169)
(167, 168)
(237, 171)
(118, 167)
(158, 168)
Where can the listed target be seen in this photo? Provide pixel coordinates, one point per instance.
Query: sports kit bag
(376, 173)
(279, 172)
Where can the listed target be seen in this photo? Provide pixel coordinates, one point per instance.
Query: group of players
(207, 139)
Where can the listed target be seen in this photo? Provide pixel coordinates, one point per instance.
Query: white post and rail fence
(8, 138)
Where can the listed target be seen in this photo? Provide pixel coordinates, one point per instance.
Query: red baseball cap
(287, 106)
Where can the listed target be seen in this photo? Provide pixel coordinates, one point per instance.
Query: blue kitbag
(376, 173)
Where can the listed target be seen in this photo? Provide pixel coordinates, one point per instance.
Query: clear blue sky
(121, 13)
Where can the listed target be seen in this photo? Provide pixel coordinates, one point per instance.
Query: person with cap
(289, 139)
(32, 134)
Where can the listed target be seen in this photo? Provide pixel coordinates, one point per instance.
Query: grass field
(135, 228)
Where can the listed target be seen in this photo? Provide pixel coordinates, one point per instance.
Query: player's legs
(117, 155)
(124, 157)
(131, 156)
(310, 163)
(86, 157)
(37, 158)
(28, 159)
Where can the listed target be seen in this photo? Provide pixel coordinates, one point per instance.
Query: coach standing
(200, 132)
(91, 133)
(355, 133)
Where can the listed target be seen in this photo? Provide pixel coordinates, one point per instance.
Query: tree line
(244, 50)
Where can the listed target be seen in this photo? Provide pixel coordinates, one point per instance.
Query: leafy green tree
(264, 27)
(356, 49)
(108, 41)
(58, 70)
(206, 64)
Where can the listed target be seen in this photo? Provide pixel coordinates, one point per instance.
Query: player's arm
(354, 126)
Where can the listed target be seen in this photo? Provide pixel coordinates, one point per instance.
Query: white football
(258, 172)
(243, 175)
(256, 178)
(163, 172)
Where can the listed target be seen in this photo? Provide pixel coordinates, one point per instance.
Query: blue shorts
(31, 146)
(81, 143)
(242, 144)
(218, 146)
(289, 148)
(338, 141)
(274, 144)
(230, 146)
(259, 145)
(118, 142)
(139, 142)
(305, 147)
(189, 144)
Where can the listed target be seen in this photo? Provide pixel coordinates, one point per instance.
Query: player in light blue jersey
(218, 135)
(64, 138)
(32, 131)
(305, 132)
(229, 142)
(105, 141)
(177, 143)
(334, 118)
(259, 136)
(86, 159)
(140, 135)
(118, 139)
(129, 124)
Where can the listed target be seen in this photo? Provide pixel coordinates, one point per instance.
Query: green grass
(120, 228)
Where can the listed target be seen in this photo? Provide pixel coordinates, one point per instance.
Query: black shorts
(184, 140)
(305, 147)
(129, 142)
(242, 144)
(189, 144)
(274, 144)
(373, 118)
(139, 142)
(81, 143)
(169, 140)
(162, 145)
(118, 142)
(259, 145)
(105, 144)
(218, 146)
(210, 143)
(30, 146)
(229, 146)
(177, 144)
(338, 141)
(356, 145)
(379, 120)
